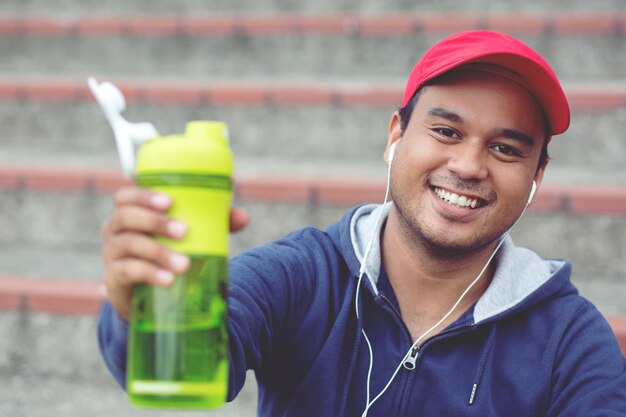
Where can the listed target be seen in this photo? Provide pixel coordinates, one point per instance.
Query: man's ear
(394, 134)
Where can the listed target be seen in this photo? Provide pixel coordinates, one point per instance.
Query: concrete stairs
(307, 91)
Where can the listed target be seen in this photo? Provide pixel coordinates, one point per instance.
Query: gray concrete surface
(157, 6)
(51, 396)
(288, 55)
(49, 365)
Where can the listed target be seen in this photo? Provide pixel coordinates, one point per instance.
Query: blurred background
(307, 89)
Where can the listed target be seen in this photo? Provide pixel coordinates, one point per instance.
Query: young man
(422, 306)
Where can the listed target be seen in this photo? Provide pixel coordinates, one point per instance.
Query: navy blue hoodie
(530, 346)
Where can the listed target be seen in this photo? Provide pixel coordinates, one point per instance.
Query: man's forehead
(516, 110)
(478, 80)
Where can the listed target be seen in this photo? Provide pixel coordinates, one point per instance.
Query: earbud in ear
(532, 193)
(392, 152)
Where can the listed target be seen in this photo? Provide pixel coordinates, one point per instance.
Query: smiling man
(421, 306)
(463, 170)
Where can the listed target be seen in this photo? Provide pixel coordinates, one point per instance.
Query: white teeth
(453, 198)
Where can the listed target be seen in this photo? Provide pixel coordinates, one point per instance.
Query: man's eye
(447, 132)
(506, 150)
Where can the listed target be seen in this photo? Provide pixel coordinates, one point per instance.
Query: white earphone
(392, 152)
(532, 193)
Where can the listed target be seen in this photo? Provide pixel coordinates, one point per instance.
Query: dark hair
(406, 112)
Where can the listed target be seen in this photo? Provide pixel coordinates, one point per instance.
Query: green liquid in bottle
(178, 340)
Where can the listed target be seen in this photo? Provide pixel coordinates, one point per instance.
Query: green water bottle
(178, 338)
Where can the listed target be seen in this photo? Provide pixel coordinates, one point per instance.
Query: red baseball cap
(504, 55)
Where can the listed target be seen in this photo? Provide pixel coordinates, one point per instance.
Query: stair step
(31, 393)
(41, 161)
(573, 199)
(385, 23)
(585, 224)
(71, 7)
(598, 96)
(50, 296)
(287, 46)
(72, 298)
(55, 370)
(295, 122)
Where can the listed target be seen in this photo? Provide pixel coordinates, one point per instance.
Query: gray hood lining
(519, 271)
(362, 228)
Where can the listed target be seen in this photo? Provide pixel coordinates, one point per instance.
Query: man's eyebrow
(516, 135)
(503, 132)
(445, 114)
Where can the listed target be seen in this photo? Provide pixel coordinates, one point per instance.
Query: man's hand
(130, 253)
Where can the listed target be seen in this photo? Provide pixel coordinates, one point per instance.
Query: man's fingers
(138, 246)
(133, 271)
(238, 219)
(136, 197)
(142, 197)
(124, 274)
(140, 219)
(133, 256)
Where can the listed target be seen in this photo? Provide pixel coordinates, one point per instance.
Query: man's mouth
(458, 200)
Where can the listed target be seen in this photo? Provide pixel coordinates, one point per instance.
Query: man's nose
(468, 161)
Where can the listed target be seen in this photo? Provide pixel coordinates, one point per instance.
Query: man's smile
(458, 200)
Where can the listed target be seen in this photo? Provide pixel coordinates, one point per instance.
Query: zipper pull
(409, 363)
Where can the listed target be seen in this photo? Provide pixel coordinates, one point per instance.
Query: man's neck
(427, 283)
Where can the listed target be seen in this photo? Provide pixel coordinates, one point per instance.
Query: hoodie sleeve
(112, 339)
(589, 378)
(271, 291)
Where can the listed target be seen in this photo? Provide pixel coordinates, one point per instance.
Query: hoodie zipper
(441, 333)
(409, 363)
(393, 307)
(396, 312)
(412, 359)
(447, 331)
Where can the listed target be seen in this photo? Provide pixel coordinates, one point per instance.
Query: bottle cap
(203, 149)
